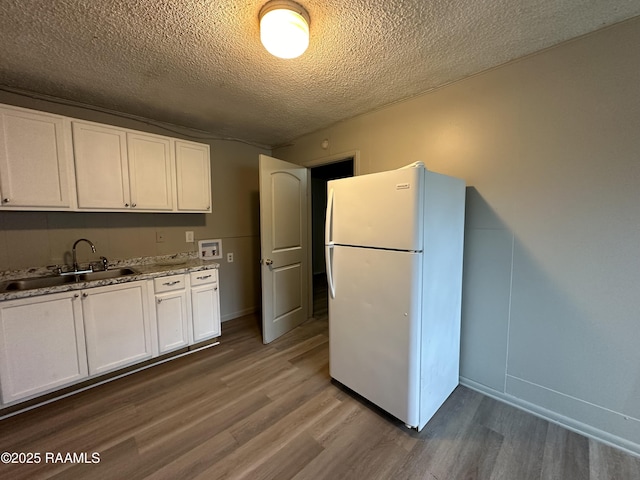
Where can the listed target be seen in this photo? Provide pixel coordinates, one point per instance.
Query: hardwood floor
(247, 410)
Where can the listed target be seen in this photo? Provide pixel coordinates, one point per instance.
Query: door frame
(318, 162)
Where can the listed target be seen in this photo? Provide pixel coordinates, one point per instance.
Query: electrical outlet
(159, 237)
(229, 257)
(188, 236)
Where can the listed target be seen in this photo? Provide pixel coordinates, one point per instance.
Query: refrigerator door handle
(328, 255)
(328, 225)
(328, 249)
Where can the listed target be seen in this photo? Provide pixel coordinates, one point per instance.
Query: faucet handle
(57, 269)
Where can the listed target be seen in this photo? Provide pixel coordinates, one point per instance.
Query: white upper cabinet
(151, 173)
(50, 162)
(102, 171)
(36, 163)
(118, 169)
(193, 176)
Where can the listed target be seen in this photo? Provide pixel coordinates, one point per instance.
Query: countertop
(147, 268)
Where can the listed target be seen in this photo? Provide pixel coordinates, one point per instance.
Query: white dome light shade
(284, 29)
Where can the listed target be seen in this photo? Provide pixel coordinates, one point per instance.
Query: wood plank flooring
(243, 410)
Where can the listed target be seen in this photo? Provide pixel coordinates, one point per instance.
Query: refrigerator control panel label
(403, 186)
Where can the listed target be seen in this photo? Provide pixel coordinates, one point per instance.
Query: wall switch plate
(189, 237)
(159, 237)
(229, 257)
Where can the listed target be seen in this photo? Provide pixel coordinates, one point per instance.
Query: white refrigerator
(393, 246)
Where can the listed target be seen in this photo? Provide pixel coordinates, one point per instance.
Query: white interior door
(283, 237)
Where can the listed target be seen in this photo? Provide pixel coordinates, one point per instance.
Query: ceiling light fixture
(284, 28)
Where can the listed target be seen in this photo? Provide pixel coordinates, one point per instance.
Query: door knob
(268, 261)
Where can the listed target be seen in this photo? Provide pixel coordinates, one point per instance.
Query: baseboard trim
(556, 418)
(240, 313)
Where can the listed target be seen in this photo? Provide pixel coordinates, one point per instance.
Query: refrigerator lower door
(374, 327)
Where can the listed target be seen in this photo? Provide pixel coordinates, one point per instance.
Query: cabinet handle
(168, 284)
(215, 288)
(85, 294)
(5, 200)
(159, 300)
(133, 205)
(126, 204)
(76, 295)
(204, 277)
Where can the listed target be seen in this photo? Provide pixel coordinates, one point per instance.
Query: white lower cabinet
(172, 312)
(187, 309)
(53, 341)
(117, 327)
(205, 305)
(42, 345)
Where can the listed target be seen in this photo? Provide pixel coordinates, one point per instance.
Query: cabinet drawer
(204, 276)
(166, 284)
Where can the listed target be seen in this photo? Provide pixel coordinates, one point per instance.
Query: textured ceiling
(200, 64)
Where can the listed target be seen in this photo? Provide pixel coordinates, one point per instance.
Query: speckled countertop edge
(148, 268)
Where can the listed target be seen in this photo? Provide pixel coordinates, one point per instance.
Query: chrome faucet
(75, 259)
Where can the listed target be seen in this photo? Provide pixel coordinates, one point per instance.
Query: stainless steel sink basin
(54, 281)
(105, 274)
(36, 282)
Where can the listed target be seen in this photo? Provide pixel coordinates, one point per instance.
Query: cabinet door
(172, 318)
(205, 305)
(150, 171)
(117, 327)
(193, 173)
(35, 159)
(42, 345)
(102, 174)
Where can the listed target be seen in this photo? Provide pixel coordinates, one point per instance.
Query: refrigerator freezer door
(382, 210)
(374, 327)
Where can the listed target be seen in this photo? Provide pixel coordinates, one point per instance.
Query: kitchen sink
(57, 280)
(106, 274)
(36, 282)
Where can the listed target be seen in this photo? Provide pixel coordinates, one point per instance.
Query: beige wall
(550, 149)
(29, 239)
